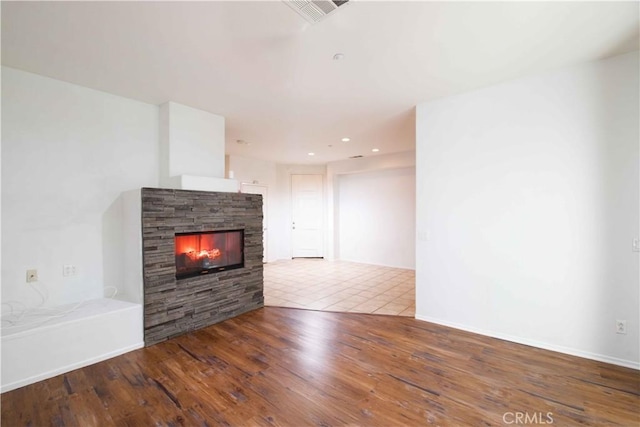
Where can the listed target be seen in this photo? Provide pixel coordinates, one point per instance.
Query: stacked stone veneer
(173, 307)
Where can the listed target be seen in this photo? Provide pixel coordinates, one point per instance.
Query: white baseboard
(533, 343)
(68, 368)
(376, 264)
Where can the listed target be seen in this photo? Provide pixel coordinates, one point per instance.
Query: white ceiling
(271, 74)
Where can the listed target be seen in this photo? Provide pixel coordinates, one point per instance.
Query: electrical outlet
(635, 245)
(621, 326)
(68, 270)
(32, 276)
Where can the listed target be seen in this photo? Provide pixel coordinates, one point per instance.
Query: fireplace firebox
(208, 252)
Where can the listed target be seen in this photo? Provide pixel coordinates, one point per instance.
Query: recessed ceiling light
(312, 154)
(338, 57)
(375, 150)
(346, 139)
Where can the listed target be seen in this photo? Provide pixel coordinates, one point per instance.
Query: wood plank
(289, 367)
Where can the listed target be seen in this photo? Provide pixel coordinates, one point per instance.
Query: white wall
(403, 159)
(376, 217)
(67, 154)
(377, 163)
(252, 171)
(191, 142)
(527, 203)
(261, 172)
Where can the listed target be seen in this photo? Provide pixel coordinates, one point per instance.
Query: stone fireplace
(174, 306)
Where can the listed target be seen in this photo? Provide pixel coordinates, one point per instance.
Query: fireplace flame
(196, 253)
(211, 254)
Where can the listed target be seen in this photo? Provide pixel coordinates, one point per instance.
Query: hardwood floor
(289, 367)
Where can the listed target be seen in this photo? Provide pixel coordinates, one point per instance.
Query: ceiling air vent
(356, 157)
(315, 10)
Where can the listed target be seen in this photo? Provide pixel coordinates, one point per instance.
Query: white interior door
(307, 215)
(260, 189)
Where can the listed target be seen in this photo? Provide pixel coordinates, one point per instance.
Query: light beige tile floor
(318, 284)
